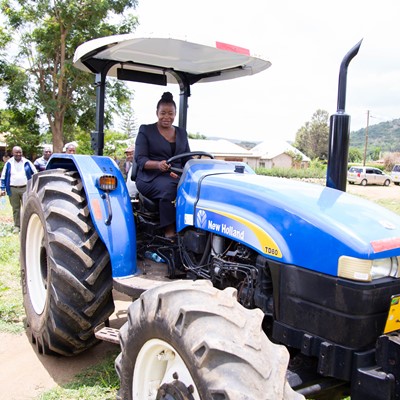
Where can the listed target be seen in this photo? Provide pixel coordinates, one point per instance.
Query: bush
(303, 173)
(390, 159)
(11, 309)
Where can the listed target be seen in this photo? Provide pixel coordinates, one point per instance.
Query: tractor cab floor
(149, 275)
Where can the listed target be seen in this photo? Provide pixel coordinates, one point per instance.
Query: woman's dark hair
(166, 98)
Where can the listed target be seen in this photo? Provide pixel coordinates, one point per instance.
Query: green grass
(11, 309)
(97, 382)
(391, 204)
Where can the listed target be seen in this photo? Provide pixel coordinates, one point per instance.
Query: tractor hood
(290, 221)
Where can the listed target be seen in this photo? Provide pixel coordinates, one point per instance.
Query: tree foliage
(296, 158)
(196, 136)
(390, 159)
(21, 129)
(19, 120)
(355, 155)
(48, 33)
(313, 137)
(129, 123)
(384, 135)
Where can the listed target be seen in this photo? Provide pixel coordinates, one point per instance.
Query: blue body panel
(289, 221)
(194, 172)
(119, 236)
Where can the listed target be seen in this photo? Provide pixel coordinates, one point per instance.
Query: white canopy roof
(212, 62)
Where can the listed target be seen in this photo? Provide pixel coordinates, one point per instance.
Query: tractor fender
(116, 230)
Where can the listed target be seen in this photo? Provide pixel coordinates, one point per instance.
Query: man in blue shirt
(41, 162)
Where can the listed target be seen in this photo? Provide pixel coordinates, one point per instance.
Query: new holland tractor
(273, 288)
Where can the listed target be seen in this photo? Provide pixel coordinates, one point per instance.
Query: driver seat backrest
(134, 171)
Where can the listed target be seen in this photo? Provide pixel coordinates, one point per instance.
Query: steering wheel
(191, 154)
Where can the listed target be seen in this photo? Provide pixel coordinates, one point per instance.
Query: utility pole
(366, 139)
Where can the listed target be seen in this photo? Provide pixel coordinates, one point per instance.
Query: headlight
(385, 267)
(368, 270)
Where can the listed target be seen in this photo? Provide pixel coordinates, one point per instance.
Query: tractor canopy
(160, 61)
(122, 54)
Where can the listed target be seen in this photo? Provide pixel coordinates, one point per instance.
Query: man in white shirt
(14, 177)
(70, 148)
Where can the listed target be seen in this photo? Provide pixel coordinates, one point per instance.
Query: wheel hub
(175, 390)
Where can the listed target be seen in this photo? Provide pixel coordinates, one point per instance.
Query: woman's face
(166, 115)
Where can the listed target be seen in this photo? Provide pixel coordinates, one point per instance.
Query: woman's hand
(163, 166)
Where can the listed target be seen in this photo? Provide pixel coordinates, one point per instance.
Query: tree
(49, 32)
(19, 120)
(129, 124)
(296, 158)
(355, 155)
(21, 129)
(375, 153)
(196, 136)
(390, 159)
(312, 138)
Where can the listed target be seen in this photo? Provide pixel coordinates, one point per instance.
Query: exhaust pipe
(339, 131)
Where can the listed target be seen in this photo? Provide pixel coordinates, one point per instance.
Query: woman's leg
(162, 189)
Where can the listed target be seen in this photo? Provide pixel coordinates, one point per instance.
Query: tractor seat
(149, 204)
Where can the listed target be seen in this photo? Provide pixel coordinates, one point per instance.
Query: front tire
(189, 340)
(65, 267)
(364, 182)
(387, 182)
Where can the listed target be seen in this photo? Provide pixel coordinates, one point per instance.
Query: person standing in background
(14, 177)
(41, 162)
(70, 148)
(125, 165)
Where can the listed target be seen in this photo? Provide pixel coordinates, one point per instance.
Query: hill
(385, 135)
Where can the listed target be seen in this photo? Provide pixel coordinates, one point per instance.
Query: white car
(396, 174)
(367, 176)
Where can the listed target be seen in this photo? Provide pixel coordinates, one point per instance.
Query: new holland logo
(201, 219)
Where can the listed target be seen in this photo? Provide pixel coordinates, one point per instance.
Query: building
(225, 150)
(276, 154)
(279, 154)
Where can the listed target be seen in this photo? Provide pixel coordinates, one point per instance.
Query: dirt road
(375, 192)
(24, 374)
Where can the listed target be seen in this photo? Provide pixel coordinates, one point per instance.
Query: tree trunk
(57, 132)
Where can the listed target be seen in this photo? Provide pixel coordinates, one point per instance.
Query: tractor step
(108, 334)
(149, 275)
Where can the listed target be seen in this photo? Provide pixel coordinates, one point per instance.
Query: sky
(304, 40)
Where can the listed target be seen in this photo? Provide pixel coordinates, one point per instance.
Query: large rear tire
(189, 340)
(65, 267)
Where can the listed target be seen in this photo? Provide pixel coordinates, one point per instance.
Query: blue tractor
(272, 289)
